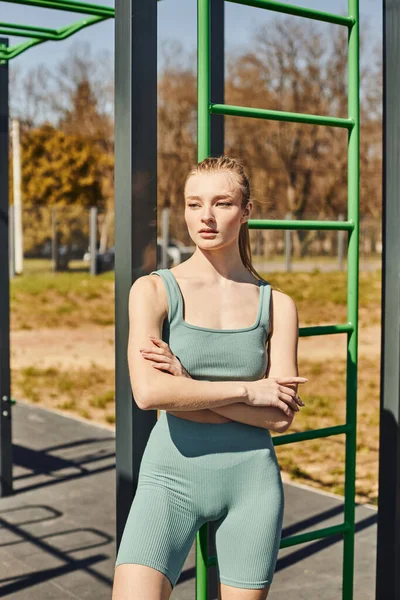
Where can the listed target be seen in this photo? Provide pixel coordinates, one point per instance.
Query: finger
(155, 350)
(286, 398)
(287, 390)
(162, 367)
(160, 346)
(158, 341)
(153, 356)
(286, 409)
(292, 379)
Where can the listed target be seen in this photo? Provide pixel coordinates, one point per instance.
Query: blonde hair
(232, 165)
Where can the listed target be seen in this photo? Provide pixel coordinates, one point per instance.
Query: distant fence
(65, 234)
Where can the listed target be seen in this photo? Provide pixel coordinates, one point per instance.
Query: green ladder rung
(312, 434)
(326, 329)
(298, 11)
(302, 538)
(301, 224)
(279, 115)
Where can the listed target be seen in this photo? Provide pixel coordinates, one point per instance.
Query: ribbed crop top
(217, 354)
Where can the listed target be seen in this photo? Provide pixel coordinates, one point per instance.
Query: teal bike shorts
(192, 473)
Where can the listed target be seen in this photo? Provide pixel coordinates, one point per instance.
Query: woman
(210, 457)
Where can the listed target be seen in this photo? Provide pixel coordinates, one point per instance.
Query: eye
(218, 203)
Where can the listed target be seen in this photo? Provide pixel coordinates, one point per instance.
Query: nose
(207, 220)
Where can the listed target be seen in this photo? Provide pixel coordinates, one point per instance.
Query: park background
(62, 323)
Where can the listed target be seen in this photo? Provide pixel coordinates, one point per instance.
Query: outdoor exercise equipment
(136, 232)
(206, 107)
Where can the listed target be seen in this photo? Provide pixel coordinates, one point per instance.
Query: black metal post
(217, 48)
(135, 218)
(388, 549)
(217, 43)
(6, 483)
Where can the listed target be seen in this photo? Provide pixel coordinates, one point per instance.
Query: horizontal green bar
(298, 11)
(61, 34)
(296, 224)
(30, 28)
(310, 536)
(37, 35)
(278, 115)
(326, 329)
(312, 434)
(70, 6)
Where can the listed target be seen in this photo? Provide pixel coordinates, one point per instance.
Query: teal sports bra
(217, 354)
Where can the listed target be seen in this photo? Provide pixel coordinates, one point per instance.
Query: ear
(247, 211)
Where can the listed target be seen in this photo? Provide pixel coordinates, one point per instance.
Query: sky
(176, 21)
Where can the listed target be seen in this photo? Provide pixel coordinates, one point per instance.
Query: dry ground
(68, 348)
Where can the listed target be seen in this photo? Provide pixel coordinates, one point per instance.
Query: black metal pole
(135, 219)
(217, 44)
(388, 547)
(217, 51)
(6, 483)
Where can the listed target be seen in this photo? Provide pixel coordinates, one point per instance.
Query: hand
(164, 358)
(275, 391)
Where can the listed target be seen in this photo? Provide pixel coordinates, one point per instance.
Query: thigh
(140, 581)
(159, 532)
(247, 538)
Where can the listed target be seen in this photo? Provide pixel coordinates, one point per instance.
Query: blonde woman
(213, 348)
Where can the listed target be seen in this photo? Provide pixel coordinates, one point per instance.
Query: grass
(88, 392)
(74, 299)
(67, 299)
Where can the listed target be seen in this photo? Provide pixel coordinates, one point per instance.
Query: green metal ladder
(352, 124)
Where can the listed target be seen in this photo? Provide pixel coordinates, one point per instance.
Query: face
(213, 201)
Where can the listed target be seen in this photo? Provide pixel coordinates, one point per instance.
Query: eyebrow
(215, 197)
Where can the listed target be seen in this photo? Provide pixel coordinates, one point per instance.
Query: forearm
(186, 394)
(267, 417)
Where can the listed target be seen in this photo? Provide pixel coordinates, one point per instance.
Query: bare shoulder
(283, 311)
(283, 303)
(150, 290)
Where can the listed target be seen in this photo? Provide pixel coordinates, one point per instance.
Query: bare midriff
(201, 416)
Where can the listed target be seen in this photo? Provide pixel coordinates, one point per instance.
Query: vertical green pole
(202, 562)
(203, 80)
(203, 151)
(352, 298)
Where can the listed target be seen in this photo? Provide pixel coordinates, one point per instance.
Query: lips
(207, 231)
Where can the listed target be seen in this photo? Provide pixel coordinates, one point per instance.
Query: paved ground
(57, 536)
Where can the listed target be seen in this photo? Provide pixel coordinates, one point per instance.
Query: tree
(62, 171)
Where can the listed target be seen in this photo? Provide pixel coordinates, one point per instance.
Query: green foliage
(62, 172)
(59, 169)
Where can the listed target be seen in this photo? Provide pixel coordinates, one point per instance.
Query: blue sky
(177, 21)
